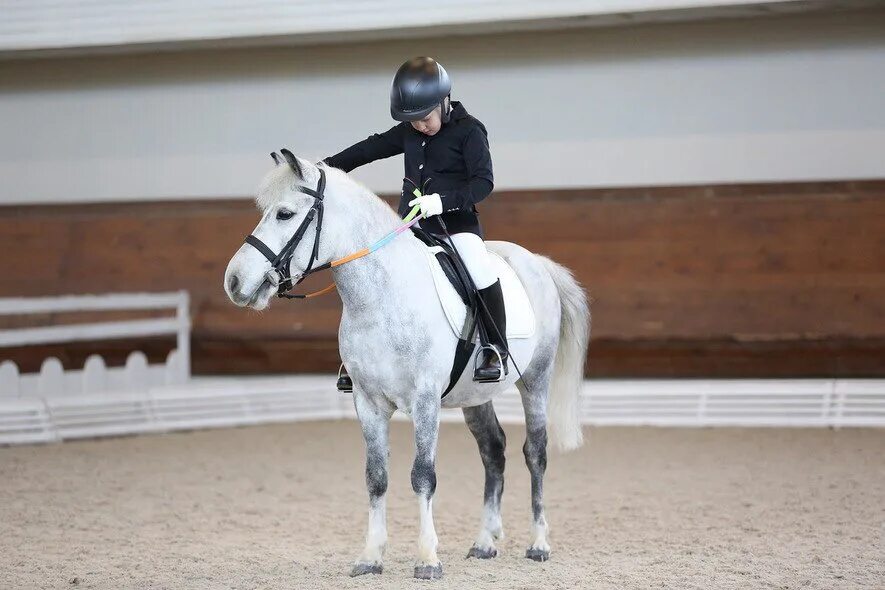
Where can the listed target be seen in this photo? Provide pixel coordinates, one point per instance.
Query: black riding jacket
(456, 161)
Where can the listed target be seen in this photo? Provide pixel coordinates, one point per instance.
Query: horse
(397, 346)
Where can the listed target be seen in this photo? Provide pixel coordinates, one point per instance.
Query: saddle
(460, 302)
(451, 265)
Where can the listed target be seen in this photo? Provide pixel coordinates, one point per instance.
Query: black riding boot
(345, 383)
(491, 366)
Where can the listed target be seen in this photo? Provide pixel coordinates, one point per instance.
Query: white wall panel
(792, 98)
(72, 25)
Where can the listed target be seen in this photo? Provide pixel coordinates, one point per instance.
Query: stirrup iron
(344, 383)
(501, 373)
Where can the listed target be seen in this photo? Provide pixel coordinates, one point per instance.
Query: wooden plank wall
(732, 280)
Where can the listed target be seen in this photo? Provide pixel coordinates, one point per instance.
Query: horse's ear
(293, 162)
(276, 158)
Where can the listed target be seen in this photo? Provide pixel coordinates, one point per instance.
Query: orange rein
(333, 264)
(409, 220)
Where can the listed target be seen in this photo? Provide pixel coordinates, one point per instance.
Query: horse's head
(292, 198)
(251, 279)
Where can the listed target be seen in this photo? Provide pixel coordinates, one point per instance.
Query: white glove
(430, 204)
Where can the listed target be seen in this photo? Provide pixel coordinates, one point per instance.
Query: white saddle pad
(520, 316)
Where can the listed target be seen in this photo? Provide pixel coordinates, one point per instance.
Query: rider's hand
(430, 204)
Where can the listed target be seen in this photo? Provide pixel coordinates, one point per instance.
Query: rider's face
(430, 124)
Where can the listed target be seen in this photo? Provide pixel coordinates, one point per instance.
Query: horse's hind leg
(374, 422)
(483, 423)
(533, 388)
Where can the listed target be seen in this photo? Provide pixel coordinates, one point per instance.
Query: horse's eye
(284, 214)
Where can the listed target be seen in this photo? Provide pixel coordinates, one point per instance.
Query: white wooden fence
(95, 400)
(57, 404)
(604, 402)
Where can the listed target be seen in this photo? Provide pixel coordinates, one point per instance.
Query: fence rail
(178, 326)
(235, 401)
(58, 404)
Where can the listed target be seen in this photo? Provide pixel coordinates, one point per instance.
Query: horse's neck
(379, 278)
(377, 281)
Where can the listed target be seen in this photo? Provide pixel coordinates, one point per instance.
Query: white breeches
(476, 258)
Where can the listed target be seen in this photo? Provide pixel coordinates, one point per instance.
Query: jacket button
(420, 166)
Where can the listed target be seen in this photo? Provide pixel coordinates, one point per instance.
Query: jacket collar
(458, 110)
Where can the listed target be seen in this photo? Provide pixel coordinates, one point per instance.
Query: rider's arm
(374, 147)
(479, 168)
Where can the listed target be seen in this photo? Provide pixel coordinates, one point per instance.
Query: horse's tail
(563, 409)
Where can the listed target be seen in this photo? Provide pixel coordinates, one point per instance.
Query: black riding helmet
(419, 86)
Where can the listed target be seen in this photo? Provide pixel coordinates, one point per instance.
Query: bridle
(278, 275)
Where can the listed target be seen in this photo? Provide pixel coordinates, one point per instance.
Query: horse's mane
(282, 178)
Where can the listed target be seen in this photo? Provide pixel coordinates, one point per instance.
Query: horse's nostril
(233, 283)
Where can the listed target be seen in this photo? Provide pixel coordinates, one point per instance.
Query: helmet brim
(399, 115)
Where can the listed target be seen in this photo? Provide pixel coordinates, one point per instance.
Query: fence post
(9, 379)
(827, 403)
(136, 372)
(184, 335)
(840, 403)
(94, 376)
(701, 416)
(52, 378)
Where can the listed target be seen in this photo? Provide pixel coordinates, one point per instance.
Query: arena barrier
(97, 400)
(58, 404)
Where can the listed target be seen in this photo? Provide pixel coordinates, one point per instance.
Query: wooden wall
(735, 280)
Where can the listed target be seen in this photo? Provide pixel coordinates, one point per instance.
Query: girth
(459, 277)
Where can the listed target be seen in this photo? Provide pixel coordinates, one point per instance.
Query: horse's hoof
(361, 569)
(480, 553)
(537, 554)
(428, 572)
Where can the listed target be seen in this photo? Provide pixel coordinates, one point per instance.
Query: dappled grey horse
(387, 329)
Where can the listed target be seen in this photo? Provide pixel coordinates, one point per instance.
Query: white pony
(400, 355)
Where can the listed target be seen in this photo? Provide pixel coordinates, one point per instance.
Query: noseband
(278, 275)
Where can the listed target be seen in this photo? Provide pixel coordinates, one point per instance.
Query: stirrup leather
(501, 373)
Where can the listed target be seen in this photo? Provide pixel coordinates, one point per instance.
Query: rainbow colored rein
(278, 276)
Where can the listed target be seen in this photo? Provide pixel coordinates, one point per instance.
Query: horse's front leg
(374, 421)
(425, 415)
